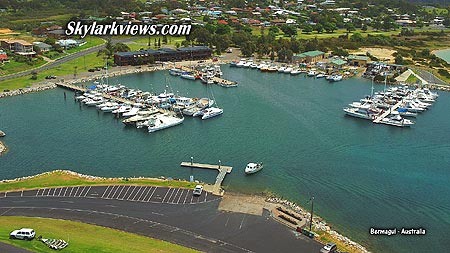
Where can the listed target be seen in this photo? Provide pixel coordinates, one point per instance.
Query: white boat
(211, 112)
(253, 168)
(288, 70)
(132, 112)
(122, 109)
(311, 73)
(175, 72)
(254, 66)
(241, 63)
(163, 121)
(247, 64)
(281, 69)
(111, 107)
(320, 75)
(397, 120)
(361, 113)
(295, 72)
(336, 78)
(187, 76)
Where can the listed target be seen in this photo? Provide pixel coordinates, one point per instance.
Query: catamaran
(163, 121)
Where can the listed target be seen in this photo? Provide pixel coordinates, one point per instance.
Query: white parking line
(71, 189)
(145, 188)
(105, 192)
(125, 192)
(75, 194)
(151, 195)
(65, 191)
(123, 187)
(54, 192)
(115, 192)
(166, 195)
(174, 197)
(131, 193)
(137, 193)
(37, 193)
(111, 191)
(147, 194)
(192, 198)
(59, 194)
(185, 198)
(81, 192)
(206, 195)
(21, 194)
(182, 191)
(87, 191)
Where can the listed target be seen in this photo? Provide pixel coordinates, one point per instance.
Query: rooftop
(358, 57)
(310, 54)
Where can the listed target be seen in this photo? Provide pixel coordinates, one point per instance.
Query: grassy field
(15, 66)
(326, 238)
(62, 178)
(143, 42)
(82, 237)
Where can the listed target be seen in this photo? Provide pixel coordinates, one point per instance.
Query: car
(50, 77)
(329, 248)
(23, 234)
(198, 190)
(91, 70)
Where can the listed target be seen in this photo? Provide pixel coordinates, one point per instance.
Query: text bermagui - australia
(80, 29)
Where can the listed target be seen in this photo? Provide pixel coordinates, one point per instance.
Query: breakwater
(39, 87)
(2, 148)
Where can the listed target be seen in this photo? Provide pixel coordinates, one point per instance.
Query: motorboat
(397, 120)
(187, 76)
(361, 113)
(175, 72)
(132, 112)
(122, 109)
(336, 78)
(247, 64)
(311, 73)
(254, 66)
(211, 112)
(320, 75)
(111, 107)
(163, 121)
(241, 63)
(295, 72)
(253, 168)
(288, 70)
(404, 112)
(281, 69)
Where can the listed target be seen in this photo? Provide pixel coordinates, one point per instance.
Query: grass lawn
(82, 237)
(142, 42)
(412, 79)
(15, 67)
(62, 178)
(92, 41)
(326, 238)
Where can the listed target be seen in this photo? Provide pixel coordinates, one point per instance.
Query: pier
(387, 112)
(223, 170)
(81, 89)
(217, 80)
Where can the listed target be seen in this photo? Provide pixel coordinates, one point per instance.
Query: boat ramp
(223, 171)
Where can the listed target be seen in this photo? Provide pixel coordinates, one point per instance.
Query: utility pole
(312, 213)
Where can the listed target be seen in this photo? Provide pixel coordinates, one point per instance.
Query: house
(338, 63)
(66, 44)
(20, 47)
(43, 47)
(357, 60)
(163, 54)
(309, 57)
(57, 34)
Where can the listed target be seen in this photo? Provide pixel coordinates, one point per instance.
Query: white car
(23, 234)
(198, 190)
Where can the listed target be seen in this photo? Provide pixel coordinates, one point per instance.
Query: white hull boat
(253, 168)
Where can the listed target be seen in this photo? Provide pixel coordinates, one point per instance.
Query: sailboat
(210, 112)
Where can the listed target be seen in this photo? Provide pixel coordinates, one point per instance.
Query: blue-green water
(444, 54)
(362, 175)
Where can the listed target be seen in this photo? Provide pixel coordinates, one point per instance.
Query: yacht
(253, 168)
(281, 69)
(122, 109)
(336, 78)
(163, 121)
(241, 63)
(211, 112)
(247, 64)
(140, 116)
(254, 66)
(397, 120)
(132, 112)
(295, 72)
(272, 68)
(175, 72)
(111, 107)
(311, 73)
(288, 70)
(362, 113)
(320, 75)
(187, 76)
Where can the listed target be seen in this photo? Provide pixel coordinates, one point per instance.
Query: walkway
(223, 170)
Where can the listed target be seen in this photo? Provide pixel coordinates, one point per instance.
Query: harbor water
(444, 54)
(362, 175)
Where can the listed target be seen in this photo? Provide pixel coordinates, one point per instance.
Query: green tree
(319, 28)
(349, 27)
(248, 48)
(274, 29)
(307, 29)
(330, 27)
(399, 59)
(364, 28)
(289, 30)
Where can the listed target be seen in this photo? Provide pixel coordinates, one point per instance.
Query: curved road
(169, 214)
(63, 60)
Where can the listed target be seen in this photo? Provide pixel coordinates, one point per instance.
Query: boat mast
(371, 93)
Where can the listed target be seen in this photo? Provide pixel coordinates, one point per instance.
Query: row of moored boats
(146, 110)
(286, 69)
(394, 106)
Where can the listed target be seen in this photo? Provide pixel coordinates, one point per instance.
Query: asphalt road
(169, 214)
(63, 60)
(11, 249)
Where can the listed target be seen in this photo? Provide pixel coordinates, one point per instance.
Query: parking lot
(148, 194)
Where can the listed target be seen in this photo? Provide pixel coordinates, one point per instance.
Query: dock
(82, 89)
(387, 112)
(223, 170)
(217, 80)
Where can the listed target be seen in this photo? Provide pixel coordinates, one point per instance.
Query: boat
(233, 64)
(320, 75)
(253, 168)
(397, 120)
(163, 121)
(111, 107)
(361, 113)
(132, 112)
(187, 76)
(288, 70)
(211, 112)
(254, 66)
(281, 69)
(241, 63)
(404, 112)
(295, 72)
(311, 73)
(272, 69)
(122, 109)
(336, 78)
(247, 64)
(175, 72)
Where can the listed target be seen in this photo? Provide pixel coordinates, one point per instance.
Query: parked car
(329, 248)
(198, 190)
(50, 77)
(22, 234)
(91, 70)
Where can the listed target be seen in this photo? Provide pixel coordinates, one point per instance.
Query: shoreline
(318, 223)
(3, 148)
(442, 50)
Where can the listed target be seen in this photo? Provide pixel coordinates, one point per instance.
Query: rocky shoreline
(34, 88)
(2, 148)
(318, 223)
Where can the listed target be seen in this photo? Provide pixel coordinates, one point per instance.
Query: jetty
(217, 80)
(387, 112)
(82, 89)
(223, 171)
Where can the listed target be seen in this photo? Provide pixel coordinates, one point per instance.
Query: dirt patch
(383, 54)
(5, 31)
(242, 203)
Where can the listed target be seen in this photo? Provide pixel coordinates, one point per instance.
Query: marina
(223, 171)
(302, 117)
